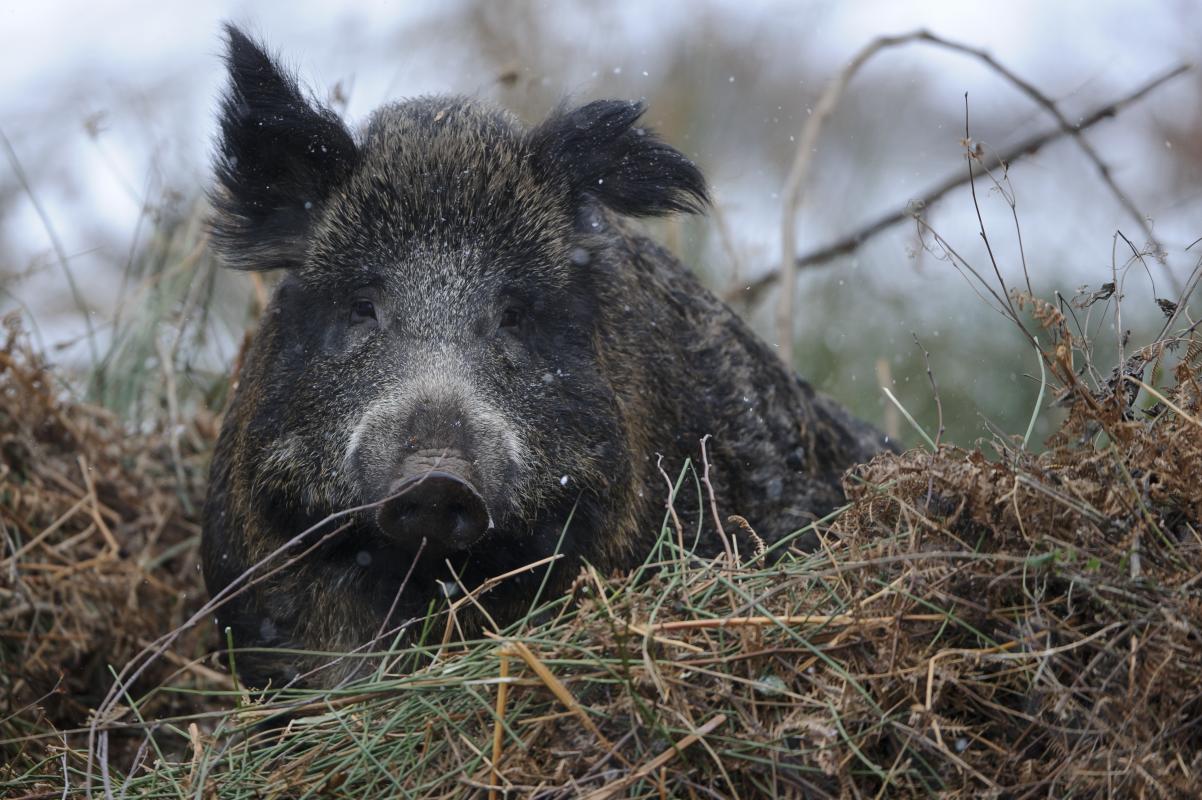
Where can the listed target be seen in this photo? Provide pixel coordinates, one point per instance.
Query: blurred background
(107, 113)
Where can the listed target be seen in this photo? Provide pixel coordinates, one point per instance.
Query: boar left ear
(278, 159)
(603, 156)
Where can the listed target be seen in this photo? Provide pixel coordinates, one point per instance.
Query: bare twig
(1050, 106)
(751, 292)
(732, 558)
(961, 264)
(926, 358)
(973, 153)
(800, 170)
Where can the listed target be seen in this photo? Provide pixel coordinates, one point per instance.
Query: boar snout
(435, 500)
(442, 462)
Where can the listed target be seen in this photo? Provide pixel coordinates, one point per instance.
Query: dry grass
(99, 549)
(1018, 625)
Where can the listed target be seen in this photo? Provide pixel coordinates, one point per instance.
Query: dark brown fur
(442, 213)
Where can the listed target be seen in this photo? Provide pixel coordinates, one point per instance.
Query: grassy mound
(1011, 625)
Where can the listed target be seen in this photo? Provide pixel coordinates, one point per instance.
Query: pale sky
(152, 71)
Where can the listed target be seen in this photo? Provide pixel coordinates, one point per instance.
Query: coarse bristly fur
(457, 283)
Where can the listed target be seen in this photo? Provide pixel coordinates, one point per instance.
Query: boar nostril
(442, 507)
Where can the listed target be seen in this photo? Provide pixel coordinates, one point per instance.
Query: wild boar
(474, 347)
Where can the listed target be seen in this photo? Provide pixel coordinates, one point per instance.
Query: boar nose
(442, 507)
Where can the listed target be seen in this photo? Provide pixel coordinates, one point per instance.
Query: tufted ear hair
(603, 156)
(279, 157)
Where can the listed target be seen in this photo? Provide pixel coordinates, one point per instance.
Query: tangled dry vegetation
(1014, 625)
(98, 541)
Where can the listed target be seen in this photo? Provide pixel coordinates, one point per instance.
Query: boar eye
(512, 317)
(362, 310)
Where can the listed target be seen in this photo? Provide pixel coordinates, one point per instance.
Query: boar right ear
(278, 159)
(602, 155)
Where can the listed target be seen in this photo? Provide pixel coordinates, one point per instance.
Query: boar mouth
(440, 506)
